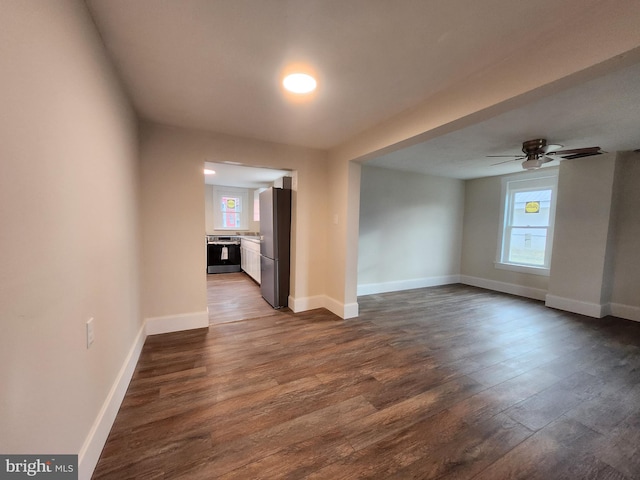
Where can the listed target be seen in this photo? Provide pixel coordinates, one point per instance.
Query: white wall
(172, 222)
(625, 291)
(173, 216)
(596, 269)
(410, 230)
(582, 235)
(480, 242)
(69, 235)
(343, 204)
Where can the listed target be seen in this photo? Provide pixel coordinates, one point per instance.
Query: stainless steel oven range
(223, 254)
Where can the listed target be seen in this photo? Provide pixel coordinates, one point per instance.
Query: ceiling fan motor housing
(534, 147)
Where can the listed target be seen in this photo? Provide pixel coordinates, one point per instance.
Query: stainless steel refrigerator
(275, 234)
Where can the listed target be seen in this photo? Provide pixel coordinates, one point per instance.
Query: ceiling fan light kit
(538, 152)
(532, 164)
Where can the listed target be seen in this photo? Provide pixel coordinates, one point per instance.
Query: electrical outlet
(90, 333)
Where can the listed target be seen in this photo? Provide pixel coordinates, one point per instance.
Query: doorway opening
(232, 217)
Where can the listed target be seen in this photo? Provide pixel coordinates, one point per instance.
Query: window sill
(542, 271)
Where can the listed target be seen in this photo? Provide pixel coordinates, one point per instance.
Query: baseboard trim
(511, 288)
(588, 309)
(351, 310)
(628, 312)
(97, 437)
(396, 286)
(306, 303)
(176, 323)
(343, 310)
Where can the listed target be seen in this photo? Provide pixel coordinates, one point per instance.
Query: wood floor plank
(542, 408)
(282, 440)
(470, 451)
(386, 422)
(450, 382)
(542, 455)
(620, 448)
(605, 412)
(233, 297)
(298, 460)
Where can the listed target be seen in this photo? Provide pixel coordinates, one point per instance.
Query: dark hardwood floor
(450, 382)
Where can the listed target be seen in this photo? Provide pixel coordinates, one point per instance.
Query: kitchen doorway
(235, 296)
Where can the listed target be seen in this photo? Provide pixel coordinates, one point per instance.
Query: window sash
(506, 254)
(509, 254)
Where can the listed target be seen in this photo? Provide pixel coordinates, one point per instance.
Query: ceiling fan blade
(506, 161)
(580, 155)
(578, 151)
(546, 159)
(506, 156)
(552, 147)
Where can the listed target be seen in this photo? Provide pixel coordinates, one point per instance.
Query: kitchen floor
(234, 296)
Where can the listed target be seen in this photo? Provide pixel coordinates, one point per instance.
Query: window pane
(527, 246)
(531, 208)
(231, 204)
(231, 208)
(230, 220)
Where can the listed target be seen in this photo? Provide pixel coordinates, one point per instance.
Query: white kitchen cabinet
(250, 257)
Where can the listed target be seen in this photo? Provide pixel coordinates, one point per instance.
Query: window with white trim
(230, 208)
(528, 213)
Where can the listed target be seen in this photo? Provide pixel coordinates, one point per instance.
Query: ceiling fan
(538, 152)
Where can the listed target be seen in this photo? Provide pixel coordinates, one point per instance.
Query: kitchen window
(527, 218)
(231, 205)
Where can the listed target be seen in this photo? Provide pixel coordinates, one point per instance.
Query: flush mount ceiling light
(299, 83)
(209, 172)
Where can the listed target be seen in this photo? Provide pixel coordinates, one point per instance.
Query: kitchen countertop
(231, 238)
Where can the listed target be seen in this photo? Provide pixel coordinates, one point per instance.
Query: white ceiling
(216, 65)
(230, 175)
(604, 112)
